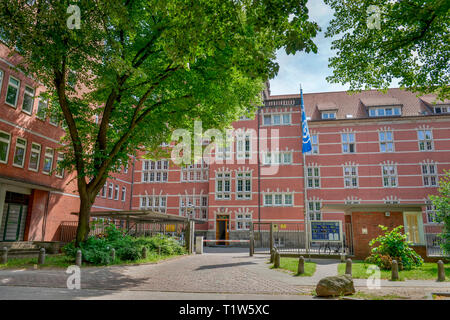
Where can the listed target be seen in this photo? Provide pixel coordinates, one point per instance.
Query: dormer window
(442, 109)
(326, 115)
(385, 111)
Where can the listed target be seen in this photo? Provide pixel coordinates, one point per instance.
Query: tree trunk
(83, 220)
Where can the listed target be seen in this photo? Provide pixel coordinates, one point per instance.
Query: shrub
(393, 245)
(97, 249)
(442, 205)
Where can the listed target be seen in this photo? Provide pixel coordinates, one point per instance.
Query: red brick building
(368, 148)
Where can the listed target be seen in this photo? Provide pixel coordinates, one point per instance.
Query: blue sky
(308, 69)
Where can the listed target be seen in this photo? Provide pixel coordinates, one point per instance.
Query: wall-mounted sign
(326, 231)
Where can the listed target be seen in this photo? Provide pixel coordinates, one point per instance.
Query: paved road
(217, 274)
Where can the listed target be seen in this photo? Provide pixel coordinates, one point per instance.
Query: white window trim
(110, 187)
(430, 175)
(162, 171)
(46, 109)
(116, 192)
(25, 93)
(38, 159)
(244, 220)
(246, 195)
(18, 91)
(348, 143)
(124, 194)
(395, 175)
(59, 158)
(51, 163)
(314, 211)
(9, 146)
(351, 176)
(283, 199)
(24, 147)
(225, 195)
(313, 177)
(386, 141)
(431, 140)
(282, 122)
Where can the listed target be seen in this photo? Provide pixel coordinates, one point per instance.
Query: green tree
(147, 67)
(410, 43)
(442, 205)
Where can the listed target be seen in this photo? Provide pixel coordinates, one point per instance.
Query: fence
(433, 241)
(291, 238)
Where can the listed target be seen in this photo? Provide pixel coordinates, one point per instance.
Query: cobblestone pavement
(216, 271)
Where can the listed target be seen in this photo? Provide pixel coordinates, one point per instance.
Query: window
(116, 192)
(55, 118)
(104, 190)
(276, 119)
(314, 144)
(350, 177)
(42, 109)
(243, 185)
(223, 182)
(243, 221)
(223, 152)
(48, 161)
(314, 212)
(125, 168)
(243, 146)
(313, 177)
(278, 200)
(157, 203)
(19, 153)
(28, 100)
(195, 172)
(389, 176)
(194, 206)
(13, 92)
(124, 193)
(35, 157)
(110, 191)
(386, 141)
(442, 109)
(59, 169)
(1, 79)
(328, 115)
(348, 142)
(385, 112)
(5, 139)
(430, 212)
(155, 171)
(425, 138)
(277, 158)
(429, 175)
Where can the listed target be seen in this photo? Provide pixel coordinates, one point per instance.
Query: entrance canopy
(376, 207)
(141, 216)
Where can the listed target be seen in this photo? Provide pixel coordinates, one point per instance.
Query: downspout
(259, 172)
(44, 223)
(132, 183)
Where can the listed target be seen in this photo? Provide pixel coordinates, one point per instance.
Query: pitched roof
(355, 104)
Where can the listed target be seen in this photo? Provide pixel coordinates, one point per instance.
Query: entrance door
(12, 227)
(222, 227)
(412, 227)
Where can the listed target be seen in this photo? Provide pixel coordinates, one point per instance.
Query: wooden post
(277, 260)
(78, 258)
(41, 258)
(272, 255)
(113, 254)
(348, 267)
(144, 253)
(4, 257)
(441, 271)
(301, 265)
(394, 275)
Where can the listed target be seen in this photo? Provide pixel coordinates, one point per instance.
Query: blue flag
(306, 139)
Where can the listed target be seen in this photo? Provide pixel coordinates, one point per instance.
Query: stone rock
(335, 286)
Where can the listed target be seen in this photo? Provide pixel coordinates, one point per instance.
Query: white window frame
(22, 146)
(243, 186)
(35, 151)
(428, 176)
(328, 115)
(430, 211)
(110, 190)
(157, 203)
(278, 199)
(48, 154)
(29, 91)
(350, 177)
(244, 146)
(104, 193)
(17, 87)
(313, 177)
(425, 142)
(243, 221)
(223, 179)
(116, 192)
(383, 111)
(155, 171)
(283, 120)
(387, 174)
(2, 74)
(38, 111)
(314, 144)
(384, 140)
(347, 142)
(124, 193)
(197, 172)
(8, 142)
(313, 212)
(59, 173)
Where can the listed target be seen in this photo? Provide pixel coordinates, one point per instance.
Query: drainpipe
(259, 172)
(132, 183)
(44, 223)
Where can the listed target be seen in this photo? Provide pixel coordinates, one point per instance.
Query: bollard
(301, 265)
(441, 271)
(342, 257)
(4, 258)
(159, 250)
(348, 267)
(41, 258)
(272, 255)
(113, 254)
(78, 258)
(276, 263)
(251, 245)
(199, 245)
(144, 253)
(394, 275)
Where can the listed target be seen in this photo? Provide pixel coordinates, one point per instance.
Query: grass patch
(428, 271)
(291, 264)
(371, 296)
(63, 261)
